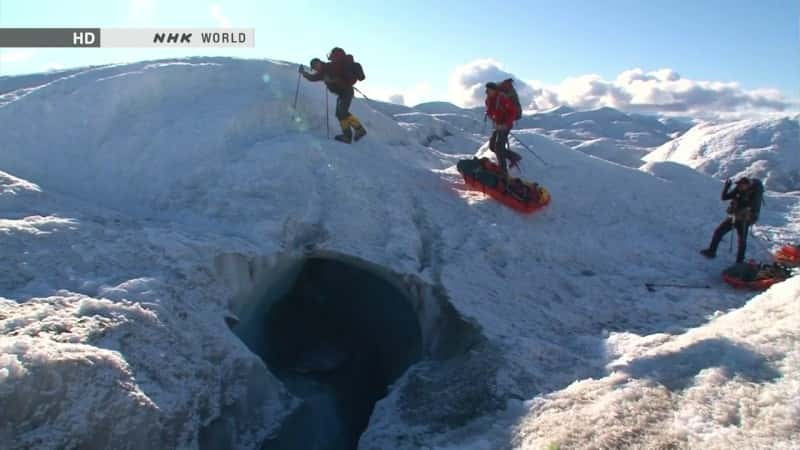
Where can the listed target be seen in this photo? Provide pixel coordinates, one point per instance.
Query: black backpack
(357, 71)
(758, 198)
(353, 71)
(746, 206)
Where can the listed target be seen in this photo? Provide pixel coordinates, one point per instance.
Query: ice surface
(140, 204)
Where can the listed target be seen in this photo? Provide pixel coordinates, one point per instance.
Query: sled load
(486, 176)
(788, 255)
(751, 275)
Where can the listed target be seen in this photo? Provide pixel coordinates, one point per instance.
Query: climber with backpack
(503, 108)
(339, 74)
(743, 211)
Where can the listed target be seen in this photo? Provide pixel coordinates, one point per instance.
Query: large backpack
(352, 71)
(747, 206)
(507, 88)
(758, 198)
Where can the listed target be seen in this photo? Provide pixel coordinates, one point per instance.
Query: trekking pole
(527, 148)
(296, 94)
(297, 90)
(758, 241)
(517, 165)
(327, 116)
(733, 228)
(651, 287)
(730, 249)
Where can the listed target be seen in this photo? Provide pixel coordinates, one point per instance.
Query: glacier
(155, 216)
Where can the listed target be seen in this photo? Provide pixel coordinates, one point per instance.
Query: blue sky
(415, 45)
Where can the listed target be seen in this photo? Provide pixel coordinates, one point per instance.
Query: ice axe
(651, 287)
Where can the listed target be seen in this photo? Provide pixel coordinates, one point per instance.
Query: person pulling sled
(743, 211)
(339, 74)
(503, 108)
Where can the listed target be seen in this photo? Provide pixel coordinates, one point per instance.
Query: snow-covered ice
(768, 149)
(145, 206)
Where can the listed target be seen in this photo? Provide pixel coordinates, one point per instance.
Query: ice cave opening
(338, 336)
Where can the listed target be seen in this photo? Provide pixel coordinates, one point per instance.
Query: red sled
(754, 276)
(788, 255)
(485, 176)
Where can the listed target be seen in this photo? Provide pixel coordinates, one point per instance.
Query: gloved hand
(301, 69)
(728, 183)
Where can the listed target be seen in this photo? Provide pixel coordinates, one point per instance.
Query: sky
(673, 56)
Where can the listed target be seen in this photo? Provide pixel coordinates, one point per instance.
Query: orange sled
(754, 276)
(788, 255)
(485, 176)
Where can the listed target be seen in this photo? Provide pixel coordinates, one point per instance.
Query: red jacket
(501, 110)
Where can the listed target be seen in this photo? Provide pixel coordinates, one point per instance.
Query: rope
(362, 94)
(527, 148)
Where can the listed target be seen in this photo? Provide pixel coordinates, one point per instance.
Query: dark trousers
(724, 228)
(498, 143)
(343, 100)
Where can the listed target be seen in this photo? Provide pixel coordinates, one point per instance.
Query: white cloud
(216, 13)
(413, 95)
(397, 99)
(53, 66)
(13, 56)
(466, 87)
(467, 84)
(141, 12)
(418, 93)
(662, 90)
(665, 90)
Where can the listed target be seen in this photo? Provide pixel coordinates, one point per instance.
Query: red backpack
(346, 66)
(507, 88)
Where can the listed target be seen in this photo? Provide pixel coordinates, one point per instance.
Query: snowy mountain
(605, 133)
(440, 108)
(189, 262)
(765, 149)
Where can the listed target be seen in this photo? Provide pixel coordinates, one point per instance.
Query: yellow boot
(347, 134)
(356, 124)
